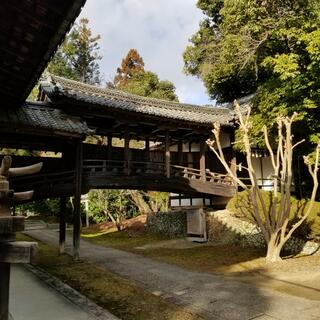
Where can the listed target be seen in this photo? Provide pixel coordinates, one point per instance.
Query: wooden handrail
(96, 166)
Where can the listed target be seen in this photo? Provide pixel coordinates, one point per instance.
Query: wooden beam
(203, 160)
(62, 227)
(167, 154)
(77, 202)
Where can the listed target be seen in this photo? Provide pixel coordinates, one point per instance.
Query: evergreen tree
(77, 58)
(148, 84)
(270, 48)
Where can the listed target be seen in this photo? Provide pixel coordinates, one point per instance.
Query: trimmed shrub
(241, 207)
(171, 224)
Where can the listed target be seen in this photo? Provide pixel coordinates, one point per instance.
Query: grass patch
(122, 297)
(124, 240)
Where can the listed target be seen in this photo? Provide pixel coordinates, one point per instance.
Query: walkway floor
(208, 295)
(32, 299)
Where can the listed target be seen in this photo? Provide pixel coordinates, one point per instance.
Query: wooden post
(4, 290)
(11, 251)
(127, 150)
(62, 227)
(109, 147)
(77, 203)
(147, 149)
(167, 154)
(203, 160)
(180, 152)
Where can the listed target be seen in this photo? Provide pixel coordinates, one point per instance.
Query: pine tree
(78, 56)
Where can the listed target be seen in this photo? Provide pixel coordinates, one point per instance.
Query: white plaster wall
(267, 183)
(174, 203)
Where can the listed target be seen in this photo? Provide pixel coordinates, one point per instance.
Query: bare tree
(272, 219)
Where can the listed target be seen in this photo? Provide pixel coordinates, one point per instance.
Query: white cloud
(159, 30)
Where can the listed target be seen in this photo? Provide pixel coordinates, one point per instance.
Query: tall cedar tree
(131, 77)
(78, 56)
(130, 65)
(271, 48)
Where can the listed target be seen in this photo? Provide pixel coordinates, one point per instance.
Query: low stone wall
(171, 224)
(224, 228)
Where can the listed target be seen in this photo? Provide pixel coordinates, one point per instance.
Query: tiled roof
(35, 115)
(56, 88)
(30, 32)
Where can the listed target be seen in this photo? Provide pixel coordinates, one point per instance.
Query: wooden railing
(122, 167)
(208, 176)
(156, 168)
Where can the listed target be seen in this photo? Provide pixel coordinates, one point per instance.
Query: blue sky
(158, 29)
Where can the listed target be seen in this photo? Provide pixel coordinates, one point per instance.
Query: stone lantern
(12, 251)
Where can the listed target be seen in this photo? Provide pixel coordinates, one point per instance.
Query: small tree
(274, 220)
(109, 205)
(149, 202)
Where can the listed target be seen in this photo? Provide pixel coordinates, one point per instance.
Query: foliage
(240, 205)
(267, 47)
(149, 202)
(111, 205)
(45, 208)
(275, 225)
(77, 58)
(148, 84)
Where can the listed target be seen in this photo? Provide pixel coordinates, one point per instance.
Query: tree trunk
(274, 249)
(138, 200)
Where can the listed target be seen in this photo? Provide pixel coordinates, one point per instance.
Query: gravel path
(210, 296)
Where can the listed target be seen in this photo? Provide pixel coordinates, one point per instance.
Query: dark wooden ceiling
(30, 31)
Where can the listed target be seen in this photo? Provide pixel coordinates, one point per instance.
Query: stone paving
(32, 298)
(210, 296)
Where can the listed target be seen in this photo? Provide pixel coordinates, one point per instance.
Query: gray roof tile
(42, 116)
(57, 87)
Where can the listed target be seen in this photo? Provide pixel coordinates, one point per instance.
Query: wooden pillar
(62, 227)
(180, 152)
(147, 150)
(77, 203)
(4, 290)
(167, 154)
(109, 155)
(127, 150)
(203, 160)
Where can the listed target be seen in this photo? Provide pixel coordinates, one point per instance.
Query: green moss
(241, 206)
